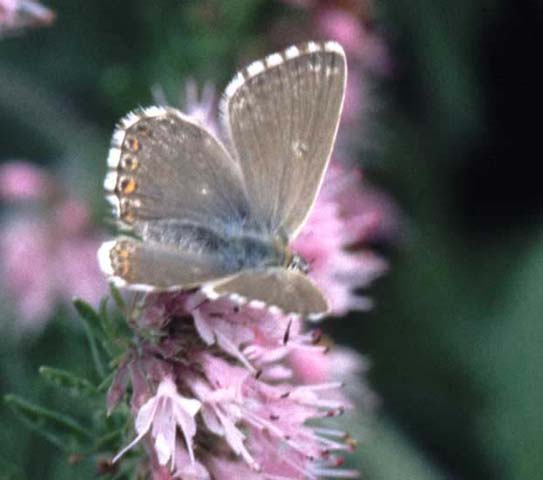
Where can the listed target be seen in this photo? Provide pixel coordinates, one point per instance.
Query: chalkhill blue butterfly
(219, 213)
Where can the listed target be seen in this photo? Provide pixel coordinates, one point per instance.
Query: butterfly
(220, 214)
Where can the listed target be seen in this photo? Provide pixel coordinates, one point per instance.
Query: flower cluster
(221, 390)
(241, 384)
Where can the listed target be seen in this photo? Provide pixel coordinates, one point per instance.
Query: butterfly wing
(175, 185)
(165, 165)
(289, 290)
(157, 267)
(282, 115)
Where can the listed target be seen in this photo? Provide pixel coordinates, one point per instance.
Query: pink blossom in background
(23, 181)
(18, 14)
(356, 101)
(351, 23)
(26, 274)
(198, 103)
(8, 8)
(340, 25)
(201, 105)
(47, 249)
(359, 42)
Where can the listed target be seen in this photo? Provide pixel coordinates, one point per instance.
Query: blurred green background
(455, 339)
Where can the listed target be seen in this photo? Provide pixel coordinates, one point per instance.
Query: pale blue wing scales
(282, 115)
(164, 165)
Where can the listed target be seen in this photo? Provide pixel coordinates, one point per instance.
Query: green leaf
(62, 430)
(75, 385)
(93, 330)
(109, 441)
(114, 324)
(90, 316)
(109, 327)
(117, 298)
(106, 382)
(10, 471)
(508, 362)
(386, 454)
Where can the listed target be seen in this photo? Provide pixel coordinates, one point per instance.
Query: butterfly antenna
(286, 336)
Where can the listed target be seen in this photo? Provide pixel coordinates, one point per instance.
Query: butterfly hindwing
(154, 267)
(289, 290)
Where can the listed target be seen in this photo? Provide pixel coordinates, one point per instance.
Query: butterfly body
(235, 249)
(220, 216)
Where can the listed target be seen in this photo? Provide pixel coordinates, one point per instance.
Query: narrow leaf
(75, 385)
(62, 430)
(117, 298)
(108, 325)
(93, 331)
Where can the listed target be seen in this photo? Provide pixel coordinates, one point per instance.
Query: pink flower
(47, 250)
(43, 264)
(187, 468)
(340, 25)
(17, 14)
(161, 415)
(339, 364)
(263, 423)
(338, 222)
(237, 363)
(201, 105)
(23, 181)
(262, 378)
(26, 271)
(259, 340)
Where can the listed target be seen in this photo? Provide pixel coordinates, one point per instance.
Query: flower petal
(146, 414)
(143, 422)
(190, 405)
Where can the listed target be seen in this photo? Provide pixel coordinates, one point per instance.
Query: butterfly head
(298, 263)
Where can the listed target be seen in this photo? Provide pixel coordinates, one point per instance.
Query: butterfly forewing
(164, 165)
(282, 115)
(176, 186)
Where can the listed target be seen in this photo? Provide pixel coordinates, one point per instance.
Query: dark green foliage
(86, 437)
(455, 338)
